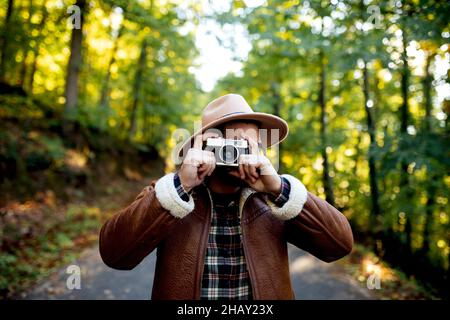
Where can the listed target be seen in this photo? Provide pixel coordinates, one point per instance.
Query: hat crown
(223, 106)
(232, 107)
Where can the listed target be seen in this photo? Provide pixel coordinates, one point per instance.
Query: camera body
(227, 151)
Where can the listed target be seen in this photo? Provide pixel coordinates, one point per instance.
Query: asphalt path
(311, 279)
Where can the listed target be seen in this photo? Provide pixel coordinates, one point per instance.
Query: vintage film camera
(227, 151)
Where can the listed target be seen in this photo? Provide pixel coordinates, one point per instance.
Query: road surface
(311, 279)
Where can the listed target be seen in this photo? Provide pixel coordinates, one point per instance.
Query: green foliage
(290, 41)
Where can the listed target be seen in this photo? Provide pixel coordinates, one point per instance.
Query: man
(221, 233)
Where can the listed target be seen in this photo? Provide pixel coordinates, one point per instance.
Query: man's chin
(225, 176)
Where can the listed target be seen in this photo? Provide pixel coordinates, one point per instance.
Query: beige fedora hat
(231, 107)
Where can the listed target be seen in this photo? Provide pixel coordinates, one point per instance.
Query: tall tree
(35, 51)
(366, 40)
(26, 51)
(404, 123)
(74, 63)
(4, 38)
(373, 176)
(104, 92)
(138, 79)
(327, 180)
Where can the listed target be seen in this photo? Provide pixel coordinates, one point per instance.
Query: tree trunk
(74, 65)
(357, 156)
(104, 93)
(428, 224)
(404, 121)
(427, 129)
(427, 92)
(327, 181)
(137, 87)
(26, 51)
(374, 191)
(146, 120)
(377, 96)
(4, 39)
(39, 37)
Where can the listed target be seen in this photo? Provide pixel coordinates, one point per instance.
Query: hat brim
(265, 120)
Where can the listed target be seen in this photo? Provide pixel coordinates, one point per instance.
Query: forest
(92, 90)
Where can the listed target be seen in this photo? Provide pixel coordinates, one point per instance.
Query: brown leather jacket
(155, 221)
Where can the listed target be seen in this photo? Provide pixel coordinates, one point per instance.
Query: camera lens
(228, 154)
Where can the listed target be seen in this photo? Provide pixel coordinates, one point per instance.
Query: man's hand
(257, 171)
(197, 164)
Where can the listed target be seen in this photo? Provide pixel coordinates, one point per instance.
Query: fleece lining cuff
(168, 196)
(294, 205)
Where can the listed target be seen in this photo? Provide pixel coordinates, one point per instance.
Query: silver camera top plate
(218, 142)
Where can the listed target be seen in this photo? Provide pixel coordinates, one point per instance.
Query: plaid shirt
(225, 274)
